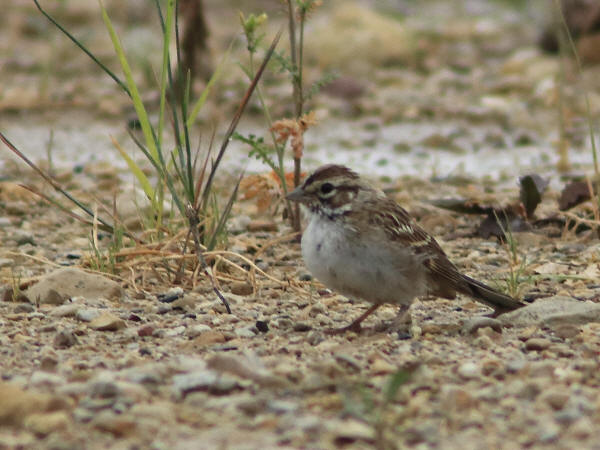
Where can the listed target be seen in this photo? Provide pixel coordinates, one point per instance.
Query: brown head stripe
(330, 171)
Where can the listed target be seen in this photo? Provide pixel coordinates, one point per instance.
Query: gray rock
(203, 380)
(469, 370)
(107, 322)
(42, 378)
(23, 308)
(473, 324)
(537, 344)
(197, 330)
(68, 310)
(71, 282)
(553, 311)
(244, 332)
(65, 339)
(87, 314)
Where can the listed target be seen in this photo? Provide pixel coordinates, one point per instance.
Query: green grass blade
(136, 170)
(165, 66)
(224, 216)
(135, 95)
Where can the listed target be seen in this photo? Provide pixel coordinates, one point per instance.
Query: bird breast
(357, 265)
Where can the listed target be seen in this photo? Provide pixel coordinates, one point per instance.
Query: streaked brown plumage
(363, 244)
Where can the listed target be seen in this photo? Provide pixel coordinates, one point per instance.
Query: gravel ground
(451, 105)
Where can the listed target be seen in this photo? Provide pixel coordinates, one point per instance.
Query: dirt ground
(433, 102)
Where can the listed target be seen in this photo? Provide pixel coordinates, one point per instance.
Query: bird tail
(501, 303)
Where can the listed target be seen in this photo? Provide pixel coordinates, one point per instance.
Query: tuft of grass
(181, 176)
(518, 276)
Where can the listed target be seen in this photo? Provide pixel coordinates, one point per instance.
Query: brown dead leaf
(286, 128)
(573, 194)
(266, 188)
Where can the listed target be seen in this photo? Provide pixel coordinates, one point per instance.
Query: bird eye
(326, 188)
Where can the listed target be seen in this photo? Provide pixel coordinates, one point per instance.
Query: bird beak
(297, 195)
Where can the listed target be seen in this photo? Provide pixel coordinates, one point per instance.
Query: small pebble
(469, 370)
(241, 288)
(64, 339)
(262, 326)
(244, 332)
(537, 344)
(302, 327)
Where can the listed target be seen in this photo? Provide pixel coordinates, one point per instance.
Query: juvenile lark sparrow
(363, 244)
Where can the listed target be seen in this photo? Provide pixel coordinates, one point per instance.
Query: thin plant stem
(297, 93)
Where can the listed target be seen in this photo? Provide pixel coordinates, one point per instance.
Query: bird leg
(354, 326)
(400, 323)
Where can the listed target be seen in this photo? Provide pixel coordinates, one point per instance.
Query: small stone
(483, 342)
(68, 310)
(537, 344)
(305, 276)
(457, 399)
(116, 424)
(18, 404)
(46, 423)
(566, 331)
(107, 322)
(348, 361)
(203, 380)
(164, 309)
(516, 365)
(529, 390)
(262, 225)
(262, 326)
(23, 308)
(185, 302)
(492, 367)
(87, 314)
(348, 431)
(302, 327)
(472, 325)
(244, 332)
(317, 308)
(64, 339)
(381, 367)
(197, 330)
(568, 415)
(469, 370)
(40, 378)
(210, 337)
(145, 330)
(241, 288)
(556, 398)
(104, 389)
(431, 329)
(48, 363)
(583, 428)
(548, 432)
